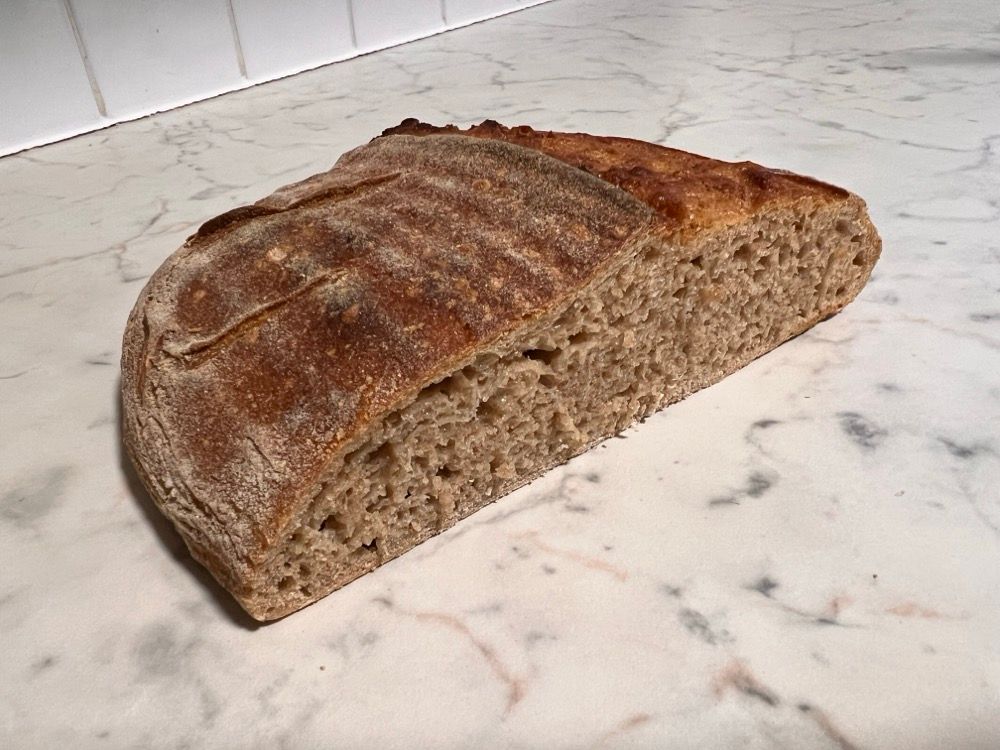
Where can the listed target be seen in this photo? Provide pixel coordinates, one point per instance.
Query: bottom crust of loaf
(664, 322)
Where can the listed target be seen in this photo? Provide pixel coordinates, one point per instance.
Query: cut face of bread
(489, 311)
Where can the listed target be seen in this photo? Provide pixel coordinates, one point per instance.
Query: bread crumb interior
(657, 328)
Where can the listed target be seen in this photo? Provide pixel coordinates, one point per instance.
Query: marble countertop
(845, 595)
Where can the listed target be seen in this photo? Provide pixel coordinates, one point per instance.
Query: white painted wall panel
(383, 23)
(44, 91)
(280, 37)
(151, 55)
(146, 56)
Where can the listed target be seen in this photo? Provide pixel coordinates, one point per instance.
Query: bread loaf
(314, 384)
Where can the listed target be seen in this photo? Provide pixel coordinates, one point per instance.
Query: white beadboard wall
(72, 66)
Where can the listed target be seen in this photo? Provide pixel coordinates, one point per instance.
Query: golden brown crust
(688, 192)
(281, 329)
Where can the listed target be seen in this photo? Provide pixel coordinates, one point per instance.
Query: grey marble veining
(805, 555)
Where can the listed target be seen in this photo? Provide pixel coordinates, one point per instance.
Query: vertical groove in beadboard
(444, 13)
(350, 16)
(237, 44)
(95, 88)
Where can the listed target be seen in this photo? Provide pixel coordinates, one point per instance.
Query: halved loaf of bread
(317, 383)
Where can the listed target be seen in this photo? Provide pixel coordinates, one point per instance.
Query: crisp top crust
(687, 191)
(279, 330)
